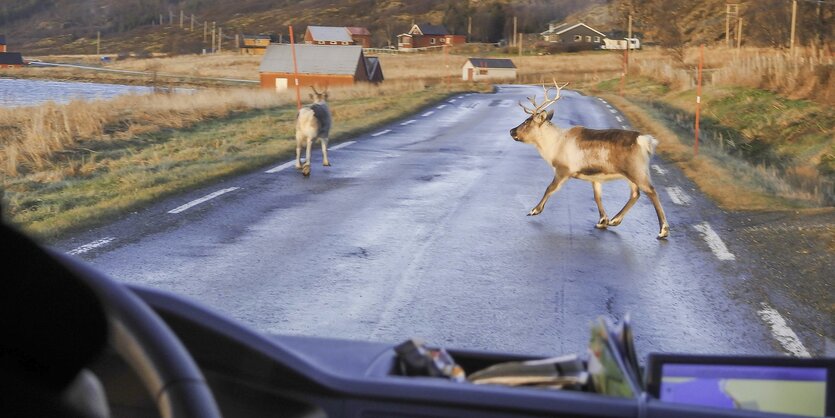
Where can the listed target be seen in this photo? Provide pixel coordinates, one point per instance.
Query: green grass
(116, 178)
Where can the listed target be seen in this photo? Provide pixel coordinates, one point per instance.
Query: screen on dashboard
(788, 390)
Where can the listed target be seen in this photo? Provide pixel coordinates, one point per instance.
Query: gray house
(579, 32)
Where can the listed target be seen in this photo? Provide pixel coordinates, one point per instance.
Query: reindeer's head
(527, 130)
(319, 97)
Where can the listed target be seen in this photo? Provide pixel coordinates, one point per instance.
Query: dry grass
(809, 74)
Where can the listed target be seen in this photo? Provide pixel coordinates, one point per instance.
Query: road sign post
(295, 70)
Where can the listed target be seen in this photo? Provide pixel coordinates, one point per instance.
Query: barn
(476, 69)
(318, 65)
(579, 32)
(11, 59)
(360, 35)
(255, 44)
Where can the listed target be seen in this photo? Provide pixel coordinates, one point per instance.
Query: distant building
(328, 35)
(9, 59)
(255, 44)
(426, 35)
(360, 35)
(318, 65)
(476, 69)
(580, 32)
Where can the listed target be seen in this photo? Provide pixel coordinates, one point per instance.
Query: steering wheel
(152, 350)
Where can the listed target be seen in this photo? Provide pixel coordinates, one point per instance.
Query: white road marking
(451, 100)
(714, 242)
(382, 132)
(441, 106)
(281, 167)
(408, 122)
(342, 145)
(678, 195)
(624, 126)
(202, 199)
(460, 97)
(428, 113)
(613, 110)
(620, 119)
(658, 169)
(87, 247)
(608, 105)
(781, 331)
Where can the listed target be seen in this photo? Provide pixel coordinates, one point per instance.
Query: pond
(22, 92)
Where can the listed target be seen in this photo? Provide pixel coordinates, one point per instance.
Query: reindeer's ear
(311, 96)
(549, 115)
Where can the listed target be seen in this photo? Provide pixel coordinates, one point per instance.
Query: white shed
(476, 69)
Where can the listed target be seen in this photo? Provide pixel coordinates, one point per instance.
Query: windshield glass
(484, 175)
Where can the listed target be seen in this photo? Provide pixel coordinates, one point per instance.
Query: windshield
(484, 175)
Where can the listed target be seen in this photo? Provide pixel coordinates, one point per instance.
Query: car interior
(80, 344)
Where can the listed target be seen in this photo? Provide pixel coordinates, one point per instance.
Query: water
(19, 92)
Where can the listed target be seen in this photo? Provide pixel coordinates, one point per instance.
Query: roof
(491, 62)
(375, 71)
(427, 29)
(561, 31)
(356, 30)
(330, 33)
(312, 59)
(257, 37)
(11, 58)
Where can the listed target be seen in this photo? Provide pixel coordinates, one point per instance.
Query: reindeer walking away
(592, 155)
(313, 122)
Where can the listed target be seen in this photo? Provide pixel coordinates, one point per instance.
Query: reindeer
(313, 122)
(592, 155)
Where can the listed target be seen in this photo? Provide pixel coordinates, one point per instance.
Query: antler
(548, 102)
(314, 90)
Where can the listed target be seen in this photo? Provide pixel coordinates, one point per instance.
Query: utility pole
(205, 30)
(98, 43)
(469, 28)
(628, 40)
(794, 25)
(161, 22)
(520, 44)
(739, 34)
(513, 43)
(213, 36)
(219, 39)
(192, 23)
(731, 13)
(181, 18)
(170, 18)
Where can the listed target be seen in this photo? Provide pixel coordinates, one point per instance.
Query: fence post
(698, 99)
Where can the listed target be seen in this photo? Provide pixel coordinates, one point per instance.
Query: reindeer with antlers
(313, 122)
(592, 155)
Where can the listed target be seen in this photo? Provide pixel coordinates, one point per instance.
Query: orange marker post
(698, 98)
(295, 71)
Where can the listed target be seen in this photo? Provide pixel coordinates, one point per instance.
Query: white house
(476, 69)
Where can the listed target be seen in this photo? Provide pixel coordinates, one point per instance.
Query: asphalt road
(419, 229)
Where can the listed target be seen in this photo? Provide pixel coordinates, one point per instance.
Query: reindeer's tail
(648, 144)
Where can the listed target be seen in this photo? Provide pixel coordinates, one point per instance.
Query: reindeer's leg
(299, 140)
(633, 197)
(306, 167)
(664, 227)
(325, 161)
(555, 185)
(604, 219)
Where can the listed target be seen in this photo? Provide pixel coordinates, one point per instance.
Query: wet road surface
(419, 229)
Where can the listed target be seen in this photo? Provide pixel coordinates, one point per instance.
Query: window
(588, 38)
(597, 39)
(333, 42)
(432, 41)
(482, 71)
(578, 38)
(321, 42)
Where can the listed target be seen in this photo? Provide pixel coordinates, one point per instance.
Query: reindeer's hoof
(665, 232)
(326, 164)
(603, 223)
(298, 166)
(306, 170)
(615, 222)
(534, 212)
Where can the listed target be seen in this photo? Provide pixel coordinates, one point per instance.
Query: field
(67, 166)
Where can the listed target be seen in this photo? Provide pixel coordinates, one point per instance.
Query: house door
(280, 84)
(469, 74)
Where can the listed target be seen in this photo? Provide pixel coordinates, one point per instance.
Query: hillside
(68, 26)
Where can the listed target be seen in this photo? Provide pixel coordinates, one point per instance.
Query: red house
(360, 35)
(426, 35)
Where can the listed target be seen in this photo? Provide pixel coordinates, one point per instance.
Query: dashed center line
(87, 247)
(342, 145)
(281, 167)
(441, 106)
(408, 122)
(620, 119)
(428, 113)
(678, 195)
(781, 331)
(451, 100)
(714, 242)
(658, 169)
(202, 199)
(382, 132)
(613, 110)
